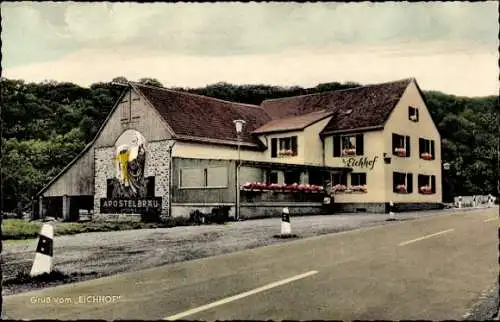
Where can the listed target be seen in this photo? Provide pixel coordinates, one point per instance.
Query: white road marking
(491, 219)
(239, 296)
(425, 237)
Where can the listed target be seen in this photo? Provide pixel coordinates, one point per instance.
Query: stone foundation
(253, 211)
(384, 207)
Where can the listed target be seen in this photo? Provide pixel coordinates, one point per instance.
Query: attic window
(413, 114)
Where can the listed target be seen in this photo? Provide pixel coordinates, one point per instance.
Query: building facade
(172, 153)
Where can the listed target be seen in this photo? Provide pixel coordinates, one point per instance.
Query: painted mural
(130, 161)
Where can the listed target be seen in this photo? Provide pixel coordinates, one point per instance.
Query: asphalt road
(432, 268)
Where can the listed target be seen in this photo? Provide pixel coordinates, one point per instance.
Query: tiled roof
(360, 107)
(196, 116)
(293, 123)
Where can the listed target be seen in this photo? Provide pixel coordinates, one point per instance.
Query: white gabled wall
(144, 119)
(399, 123)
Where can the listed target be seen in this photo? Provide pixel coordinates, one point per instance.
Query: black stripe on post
(44, 246)
(285, 217)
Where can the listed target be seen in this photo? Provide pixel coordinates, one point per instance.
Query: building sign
(128, 187)
(361, 162)
(136, 206)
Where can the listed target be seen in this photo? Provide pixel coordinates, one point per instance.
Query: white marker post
(44, 251)
(286, 227)
(459, 201)
(391, 210)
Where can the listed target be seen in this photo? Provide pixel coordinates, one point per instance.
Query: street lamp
(239, 128)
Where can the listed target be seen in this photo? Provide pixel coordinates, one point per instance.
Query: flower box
(413, 117)
(400, 152)
(401, 188)
(426, 156)
(360, 188)
(339, 188)
(286, 153)
(425, 190)
(348, 152)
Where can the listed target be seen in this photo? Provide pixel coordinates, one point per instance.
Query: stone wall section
(158, 164)
(104, 169)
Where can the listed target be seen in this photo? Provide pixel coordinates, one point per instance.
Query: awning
(287, 166)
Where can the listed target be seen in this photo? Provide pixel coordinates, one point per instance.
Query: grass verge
(16, 229)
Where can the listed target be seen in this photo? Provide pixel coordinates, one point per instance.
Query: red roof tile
(360, 107)
(202, 117)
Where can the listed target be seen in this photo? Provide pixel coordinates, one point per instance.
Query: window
(402, 182)
(272, 177)
(316, 177)
(125, 107)
(413, 114)
(426, 184)
(358, 179)
(348, 145)
(109, 188)
(292, 177)
(426, 149)
(150, 186)
(216, 177)
(203, 177)
(400, 145)
(339, 178)
(192, 178)
(282, 147)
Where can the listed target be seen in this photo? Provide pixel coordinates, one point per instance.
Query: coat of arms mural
(129, 162)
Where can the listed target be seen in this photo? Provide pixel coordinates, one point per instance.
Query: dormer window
(348, 145)
(413, 114)
(284, 147)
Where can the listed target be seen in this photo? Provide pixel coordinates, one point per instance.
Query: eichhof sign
(362, 162)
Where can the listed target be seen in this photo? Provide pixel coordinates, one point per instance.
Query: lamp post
(239, 128)
(446, 168)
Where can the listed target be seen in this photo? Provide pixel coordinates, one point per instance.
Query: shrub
(19, 229)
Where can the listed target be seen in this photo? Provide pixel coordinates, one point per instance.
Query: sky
(450, 47)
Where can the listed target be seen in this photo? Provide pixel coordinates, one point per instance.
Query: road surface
(433, 268)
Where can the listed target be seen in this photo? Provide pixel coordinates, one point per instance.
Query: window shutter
(432, 150)
(343, 179)
(421, 146)
(394, 142)
(409, 182)
(294, 145)
(362, 180)
(359, 144)
(407, 146)
(274, 148)
(433, 184)
(416, 113)
(336, 146)
(394, 181)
